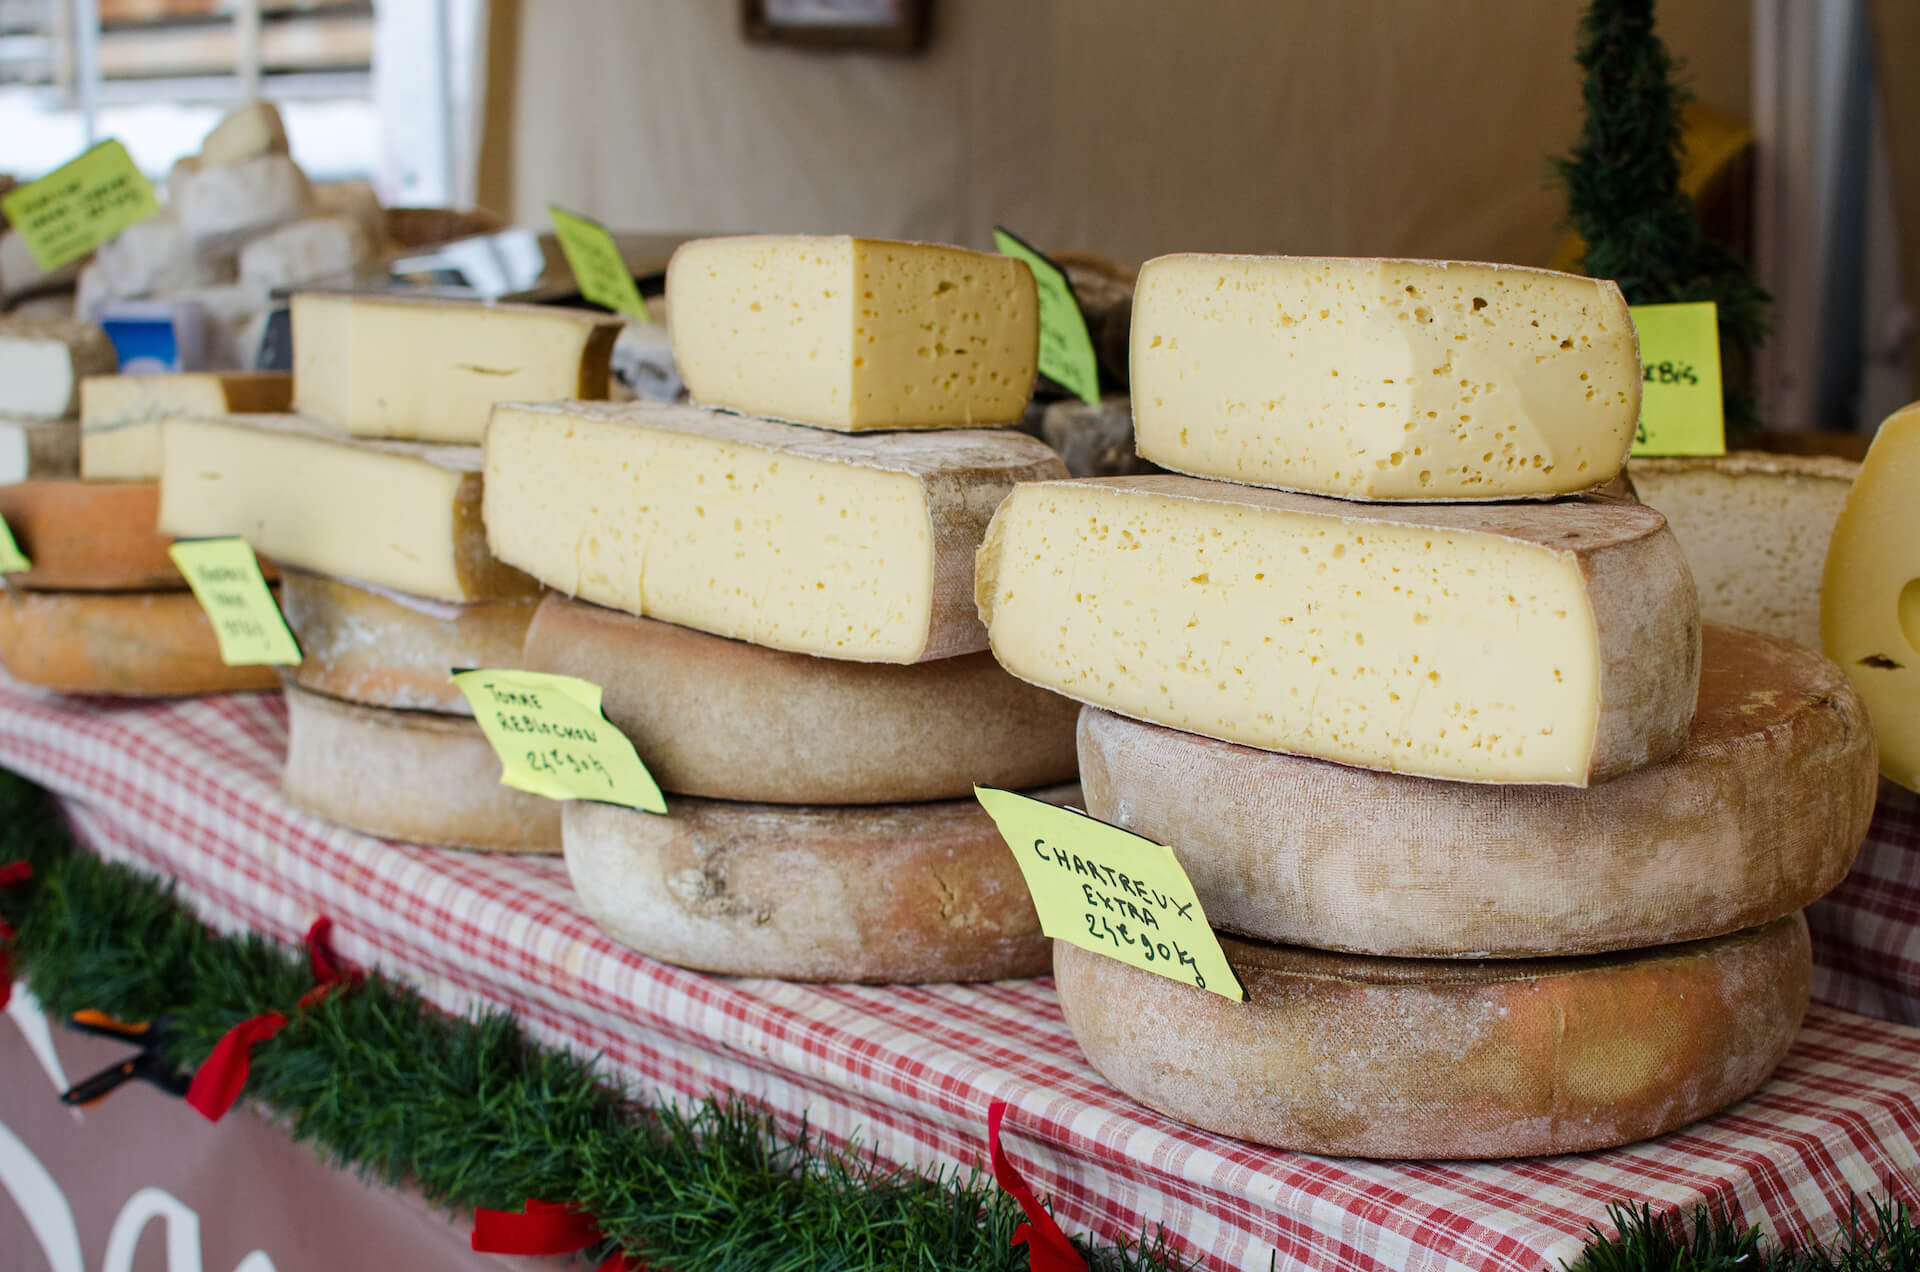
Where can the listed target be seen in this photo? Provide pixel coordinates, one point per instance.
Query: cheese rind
(728, 720)
(858, 548)
(395, 514)
(89, 537)
(43, 360)
(120, 414)
(1870, 593)
(431, 370)
(38, 448)
(854, 334)
(1497, 643)
(324, 249)
(1383, 379)
(130, 644)
(1345, 1056)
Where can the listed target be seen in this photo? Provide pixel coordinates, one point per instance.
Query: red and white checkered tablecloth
(189, 790)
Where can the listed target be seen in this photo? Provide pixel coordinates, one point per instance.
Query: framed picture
(893, 26)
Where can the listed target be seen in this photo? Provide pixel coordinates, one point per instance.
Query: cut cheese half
(386, 650)
(854, 334)
(120, 414)
(38, 448)
(1497, 643)
(1383, 379)
(395, 514)
(1759, 815)
(89, 536)
(1347, 1056)
(132, 644)
(896, 893)
(843, 547)
(431, 370)
(43, 360)
(729, 720)
(1870, 592)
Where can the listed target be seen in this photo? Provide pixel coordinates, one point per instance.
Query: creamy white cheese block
(245, 132)
(1870, 593)
(120, 414)
(38, 448)
(43, 360)
(405, 367)
(1383, 379)
(322, 249)
(854, 334)
(1345, 1056)
(1497, 643)
(395, 514)
(222, 208)
(843, 547)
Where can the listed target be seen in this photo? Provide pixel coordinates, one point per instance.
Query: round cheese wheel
(902, 893)
(136, 644)
(1760, 813)
(409, 775)
(1348, 1056)
(89, 536)
(728, 720)
(369, 647)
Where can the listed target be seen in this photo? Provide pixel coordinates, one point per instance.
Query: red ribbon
(1048, 1249)
(11, 874)
(542, 1228)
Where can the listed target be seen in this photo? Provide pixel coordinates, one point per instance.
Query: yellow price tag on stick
(226, 580)
(597, 265)
(74, 209)
(1110, 891)
(1066, 349)
(553, 739)
(1681, 408)
(12, 559)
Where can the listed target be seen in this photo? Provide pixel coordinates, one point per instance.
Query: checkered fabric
(188, 790)
(1866, 932)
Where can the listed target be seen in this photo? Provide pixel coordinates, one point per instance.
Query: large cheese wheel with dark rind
(410, 775)
(728, 720)
(85, 536)
(1760, 813)
(135, 644)
(1348, 1056)
(903, 893)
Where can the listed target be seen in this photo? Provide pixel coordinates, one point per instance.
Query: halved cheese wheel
(728, 720)
(409, 775)
(38, 448)
(137, 644)
(1760, 813)
(1348, 1056)
(89, 536)
(897, 893)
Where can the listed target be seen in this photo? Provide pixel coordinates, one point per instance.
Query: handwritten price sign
(75, 209)
(1681, 411)
(226, 580)
(597, 265)
(553, 739)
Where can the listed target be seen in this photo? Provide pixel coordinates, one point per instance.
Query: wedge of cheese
(858, 548)
(43, 360)
(120, 414)
(854, 334)
(130, 644)
(1383, 379)
(395, 514)
(89, 537)
(729, 720)
(38, 448)
(245, 132)
(431, 370)
(1870, 592)
(1344, 1056)
(1505, 643)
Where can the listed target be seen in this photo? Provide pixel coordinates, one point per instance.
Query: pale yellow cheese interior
(120, 415)
(1446, 653)
(1373, 379)
(854, 334)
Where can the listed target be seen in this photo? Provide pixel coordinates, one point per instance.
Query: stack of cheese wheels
(1418, 717)
(102, 610)
(369, 498)
(774, 590)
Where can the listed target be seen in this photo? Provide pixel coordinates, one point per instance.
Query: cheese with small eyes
(120, 414)
(131, 644)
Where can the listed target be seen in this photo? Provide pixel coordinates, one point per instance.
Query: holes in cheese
(854, 334)
(1504, 643)
(135, 644)
(43, 360)
(1383, 379)
(120, 414)
(431, 370)
(395, 514)
(843, 547)
(89, 538)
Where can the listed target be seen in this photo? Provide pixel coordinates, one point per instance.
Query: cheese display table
(189, 790)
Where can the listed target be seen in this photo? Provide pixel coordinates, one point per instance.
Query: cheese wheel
(729, 720)
(89, 536)
(385, 650)
(135, 644)
(43, 360)
(414, 776)
(897, 893)
(1760, 814)
(1347, 1056)
(38, 448)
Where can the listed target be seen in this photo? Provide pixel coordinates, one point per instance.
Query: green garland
(471, 1113)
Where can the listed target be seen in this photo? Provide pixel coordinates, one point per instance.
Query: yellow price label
(597, 265)
(74, 209)
(1110, 891)
(12, 559)
(1066, 348)
(1681, 407)
(553, 739)
(226, 580)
